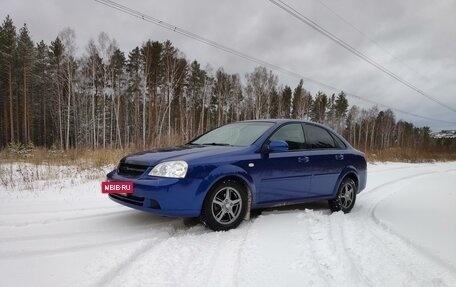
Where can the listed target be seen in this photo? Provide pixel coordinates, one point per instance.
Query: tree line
(106, 98)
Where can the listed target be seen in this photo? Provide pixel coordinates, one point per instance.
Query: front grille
(131, 199)
(131, 170)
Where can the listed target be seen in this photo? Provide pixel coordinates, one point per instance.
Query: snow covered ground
(402, 232)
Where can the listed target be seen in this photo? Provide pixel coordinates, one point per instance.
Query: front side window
(318, 138)
(292, 134)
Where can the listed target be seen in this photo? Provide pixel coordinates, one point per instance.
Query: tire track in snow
(360, 272)
(73, 234)
(381, 236)
(225, 256)
(120, 267)
(414, 166)
(278, 252)
(214, 256)
(311, 235)
(40, 243)
(14, 254)
(392, 182)
(214, 260)
(63, 219)
(180, 257)
(219, 259)
(15, 213)
(418, 272)
(314, 249)
(390, 229)
(378, 260)
(189, 257)
(240, 251)
(330, 251)
(336, 227)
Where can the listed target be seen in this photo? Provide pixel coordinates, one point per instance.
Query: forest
(105, 98)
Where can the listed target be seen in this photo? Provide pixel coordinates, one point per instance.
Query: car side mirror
(277, 146)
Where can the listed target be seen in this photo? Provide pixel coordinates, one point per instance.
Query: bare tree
(260, 85)
(68, 36)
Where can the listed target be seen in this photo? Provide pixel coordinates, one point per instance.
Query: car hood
(185, 152)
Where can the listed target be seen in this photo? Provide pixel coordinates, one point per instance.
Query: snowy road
(402, 232)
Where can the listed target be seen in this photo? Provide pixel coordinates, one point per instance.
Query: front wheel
(346, 196)
(225, 206)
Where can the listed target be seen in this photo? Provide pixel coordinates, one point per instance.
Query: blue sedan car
(225, 173)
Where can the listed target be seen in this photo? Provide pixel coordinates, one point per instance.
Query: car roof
(280, 121)
(283, 121)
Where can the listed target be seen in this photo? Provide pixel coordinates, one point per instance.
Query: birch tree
(68, 36)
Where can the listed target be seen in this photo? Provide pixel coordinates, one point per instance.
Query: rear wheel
(346, 196)
(225, 206)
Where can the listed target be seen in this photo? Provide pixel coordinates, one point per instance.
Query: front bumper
(162, 196)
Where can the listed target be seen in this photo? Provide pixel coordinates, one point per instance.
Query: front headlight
(174, 169)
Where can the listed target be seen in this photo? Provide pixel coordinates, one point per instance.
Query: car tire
(345, 198)
(225, 206)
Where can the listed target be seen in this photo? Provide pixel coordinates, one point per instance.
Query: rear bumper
(362, 176)
(162, 196)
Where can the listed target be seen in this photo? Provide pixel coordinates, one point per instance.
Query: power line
(229, 50)
(293, 12)
(397, 59)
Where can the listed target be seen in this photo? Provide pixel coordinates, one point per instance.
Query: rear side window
(319, 138)
(292, 134)
(339, 142)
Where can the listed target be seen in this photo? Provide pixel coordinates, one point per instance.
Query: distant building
(444, 134)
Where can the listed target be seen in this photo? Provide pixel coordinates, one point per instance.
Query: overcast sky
(415, 39)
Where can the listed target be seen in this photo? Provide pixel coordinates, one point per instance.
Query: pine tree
(25, 54)
(275, 104)
(297, 106)
(56, 55)
(7, 51)
(221, 93)
(319, 105)
(195, 93)
(41, 94)
(3, 97)
(134, 89)
(286, 102)
(152, 58)
(341, 108)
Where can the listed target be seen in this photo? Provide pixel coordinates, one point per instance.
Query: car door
(327, 159)
(284, 175)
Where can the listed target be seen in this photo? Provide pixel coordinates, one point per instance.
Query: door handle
(304, 159)
(339, 157)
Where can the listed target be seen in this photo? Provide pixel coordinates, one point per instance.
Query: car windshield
(237, 134)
